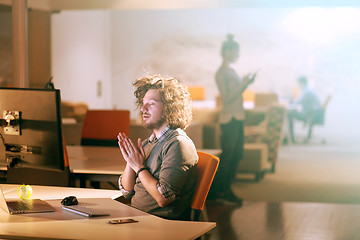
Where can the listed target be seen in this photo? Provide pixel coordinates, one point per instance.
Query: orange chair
(102, 126)
(100, 129)
(248, 95)
(197, 92)
(207, 167)
(71, 182)
(66, 156)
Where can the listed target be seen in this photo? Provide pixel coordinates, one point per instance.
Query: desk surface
(95, 160)
(102, 160)
(66, 225)
(100, 163)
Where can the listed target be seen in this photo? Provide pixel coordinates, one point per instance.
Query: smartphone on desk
(122, 221)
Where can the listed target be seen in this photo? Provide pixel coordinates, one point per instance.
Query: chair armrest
(254, 130)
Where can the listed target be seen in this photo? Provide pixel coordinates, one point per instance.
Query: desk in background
(101, 163)
(66, 225)
(95, 163)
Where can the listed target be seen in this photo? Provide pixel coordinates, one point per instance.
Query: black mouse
(68, 201)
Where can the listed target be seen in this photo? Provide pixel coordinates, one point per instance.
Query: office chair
(71, 180)
(102, 126)
(207, 166)
(197, 92)
(318, 118)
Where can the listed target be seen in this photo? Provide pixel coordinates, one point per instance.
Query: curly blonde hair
(175, 97)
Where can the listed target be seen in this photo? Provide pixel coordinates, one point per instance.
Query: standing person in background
(161, 172)
(232, 116)
(309, 104)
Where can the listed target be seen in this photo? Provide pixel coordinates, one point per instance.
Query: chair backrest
(318, 117)
(207, 166)
(102, 126)
(66, 156)
(248, 95)
(326, 102)
(197, 92)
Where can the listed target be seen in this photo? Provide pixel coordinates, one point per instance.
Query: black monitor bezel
(61, 165)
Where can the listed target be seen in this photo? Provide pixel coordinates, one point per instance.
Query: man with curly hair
(161, 171)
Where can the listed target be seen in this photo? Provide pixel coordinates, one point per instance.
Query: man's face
(152, 110)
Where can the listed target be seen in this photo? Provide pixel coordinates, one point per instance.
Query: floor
(305, 173)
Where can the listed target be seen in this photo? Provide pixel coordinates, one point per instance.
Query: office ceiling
(54, 5)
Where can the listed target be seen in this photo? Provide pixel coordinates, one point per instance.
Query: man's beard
(153, 125)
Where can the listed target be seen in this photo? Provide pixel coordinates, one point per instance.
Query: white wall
(321, 43)
(81, 56)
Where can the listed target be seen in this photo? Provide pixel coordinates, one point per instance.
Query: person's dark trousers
(292, 115)
(232, 144)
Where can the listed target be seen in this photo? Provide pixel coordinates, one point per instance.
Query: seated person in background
(161, 172)
(309, 105)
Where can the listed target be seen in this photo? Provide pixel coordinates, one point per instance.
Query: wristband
(140, 170)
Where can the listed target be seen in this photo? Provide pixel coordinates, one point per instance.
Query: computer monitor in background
(31, 144)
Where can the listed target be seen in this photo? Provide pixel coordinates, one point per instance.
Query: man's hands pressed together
(133, 155)
(135, 158)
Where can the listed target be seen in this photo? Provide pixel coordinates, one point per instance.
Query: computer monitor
(30, 132)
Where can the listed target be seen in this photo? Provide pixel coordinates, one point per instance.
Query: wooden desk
(65, 225)
(101, 163)
(95, 163)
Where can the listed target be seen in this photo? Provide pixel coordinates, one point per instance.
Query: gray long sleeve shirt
(173, 162)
